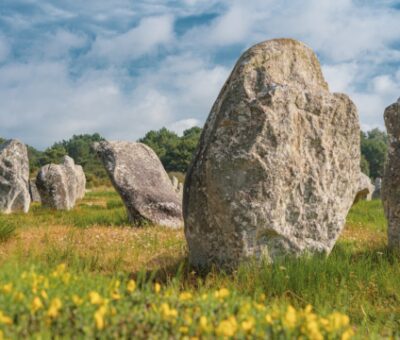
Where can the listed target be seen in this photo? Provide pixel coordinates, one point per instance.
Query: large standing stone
(14, 177)
(34, 192)
(364, 189)
(81, 181)
(60, 185)
(139, 177)
(277, 166)
(391, 178)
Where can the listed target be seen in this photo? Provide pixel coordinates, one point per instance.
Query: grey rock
(365, 188)
(277, 166)
(14, 177)
(391, 178)
(81, 179)
(139, 177)
(60, 185)
(378, 187)
(33, 191)
(175, 183)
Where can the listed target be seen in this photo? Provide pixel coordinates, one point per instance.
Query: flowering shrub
(61, 304)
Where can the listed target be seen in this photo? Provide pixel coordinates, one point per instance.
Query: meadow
(88, 273)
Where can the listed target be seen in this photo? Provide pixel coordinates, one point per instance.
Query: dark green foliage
(364, 165)
(374, 149)
(175, 152)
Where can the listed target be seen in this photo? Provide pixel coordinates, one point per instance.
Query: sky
(124, 67)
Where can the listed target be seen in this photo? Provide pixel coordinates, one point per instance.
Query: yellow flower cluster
(220, 313)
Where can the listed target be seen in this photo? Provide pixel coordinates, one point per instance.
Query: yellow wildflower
(184, 330)
(99, 317)
(227, 327)
(44, 294)
(95, 298)
(18, 297)
(203, 323)
(262, 297)
(337, 321)
(185, 296)
(77, 300)
(222, 293)
(54, 308)
(157, 287)
(7, 288)
(4, 319)
(290, 318)
(59, 270)
(36, 304)
(167, 312)
(131, 287)
(248, 324)
(268, 319)
(348, 334)
(115, 295)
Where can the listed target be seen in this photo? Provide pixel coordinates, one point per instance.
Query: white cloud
(148, 35)
(4, 49)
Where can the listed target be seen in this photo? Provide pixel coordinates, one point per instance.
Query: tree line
(175, 152)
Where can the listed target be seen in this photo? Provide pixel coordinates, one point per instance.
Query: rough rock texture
(81, 181)
(33, 191)
(178, 186)
(365, 188)
(277, 166)
(60, 185)
(391, 178)
(378, 187)
(14, 177)
(138, 175)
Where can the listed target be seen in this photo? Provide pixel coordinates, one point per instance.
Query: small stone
(34, 192)
(365, 188)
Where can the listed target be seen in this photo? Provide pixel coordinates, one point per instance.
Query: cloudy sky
(123, 67)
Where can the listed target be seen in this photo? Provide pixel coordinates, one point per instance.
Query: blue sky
(124, 67)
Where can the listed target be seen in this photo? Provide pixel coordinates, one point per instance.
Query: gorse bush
(60, 303)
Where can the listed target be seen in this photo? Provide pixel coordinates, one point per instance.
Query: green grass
(359, 279)
(7, 230)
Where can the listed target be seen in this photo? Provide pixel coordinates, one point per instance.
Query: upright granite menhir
(61, 185)
(391, 178)
(14, 177)
(139, 177)
(277, 167)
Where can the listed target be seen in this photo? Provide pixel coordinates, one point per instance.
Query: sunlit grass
(95, 240)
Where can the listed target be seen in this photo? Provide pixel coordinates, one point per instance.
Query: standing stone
(277, 166)
(139, 177)
(175, 183)
(60, 185)
(14, 177)
(378, 187)
(81, 178)
(33, 191)
(365, 188)
(391, 178)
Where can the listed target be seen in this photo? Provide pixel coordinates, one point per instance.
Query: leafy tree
(374, 150)
(174, 152)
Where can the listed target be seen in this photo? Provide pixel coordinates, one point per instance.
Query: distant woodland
(176, 152)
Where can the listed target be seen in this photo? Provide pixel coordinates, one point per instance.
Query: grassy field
(87, 273)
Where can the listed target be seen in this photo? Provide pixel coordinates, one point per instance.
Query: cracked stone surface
(391, 178)
(61, 185)
(277, 167)
(14, 177)
(142, 182)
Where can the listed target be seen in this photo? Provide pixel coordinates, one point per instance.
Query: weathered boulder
(391, 178)
(14, 177)
(81, 181)
(33, 191)
(365, 188)
(60, 185)
(277, 166)
(378, 187)
(139, 177)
